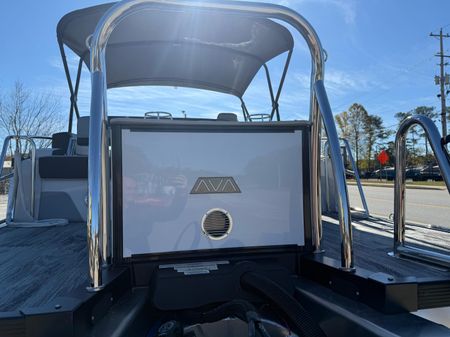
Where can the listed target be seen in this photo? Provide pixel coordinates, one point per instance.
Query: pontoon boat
(154, 225)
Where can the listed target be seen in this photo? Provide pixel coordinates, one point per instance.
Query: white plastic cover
(160, 170)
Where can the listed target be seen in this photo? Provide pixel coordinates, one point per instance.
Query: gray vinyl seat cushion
(60, 142)
(63, 167)
(227, 117)
(82, 147)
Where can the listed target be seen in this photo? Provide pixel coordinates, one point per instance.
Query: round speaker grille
(217, 224)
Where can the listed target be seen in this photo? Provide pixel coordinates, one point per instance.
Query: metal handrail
(158, 115)
(260, 117)
(337, 163)
(29, 139)
(98, 223)
(356, 173)
(357, 177)
(442, 157)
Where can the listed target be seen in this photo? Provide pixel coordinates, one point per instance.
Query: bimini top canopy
(213, 51)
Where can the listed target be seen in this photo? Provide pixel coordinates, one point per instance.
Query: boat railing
(365, 210)
(99, 224)
(442, 157)
(260, 117)
(158, 115)
(6, 144)
(337, 163)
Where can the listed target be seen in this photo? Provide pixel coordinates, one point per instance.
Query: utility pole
(442, 80)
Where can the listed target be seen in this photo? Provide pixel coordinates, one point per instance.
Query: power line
(393, 79)
(441, 27)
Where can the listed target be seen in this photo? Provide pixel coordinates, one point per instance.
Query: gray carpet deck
(373, 240)
(40, 264)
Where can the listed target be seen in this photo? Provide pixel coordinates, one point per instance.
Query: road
(422, 206)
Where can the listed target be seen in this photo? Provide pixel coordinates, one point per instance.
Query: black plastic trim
(72, 315)
(381, 291)
(117, 225)
(149, 125)
(307, 220)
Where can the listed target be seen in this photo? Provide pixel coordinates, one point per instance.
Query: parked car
(387, 173)
(413, 173)
(349, 174)
(430, 172)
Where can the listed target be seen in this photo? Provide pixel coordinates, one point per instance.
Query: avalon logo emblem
(207, 185)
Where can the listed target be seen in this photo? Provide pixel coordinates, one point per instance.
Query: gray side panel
(58, 205)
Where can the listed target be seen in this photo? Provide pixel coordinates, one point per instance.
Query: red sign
(383, 157)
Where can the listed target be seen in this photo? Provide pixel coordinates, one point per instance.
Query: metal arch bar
(33, 163)
(244, 110)
(98, 219)
(442, 157)
(73, 104)
(339, 177)
(280, 87)
(269, 84)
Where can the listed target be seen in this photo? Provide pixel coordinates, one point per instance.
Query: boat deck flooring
(38, 265)
(373, 240)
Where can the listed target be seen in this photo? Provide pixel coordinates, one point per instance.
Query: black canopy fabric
(213, 51)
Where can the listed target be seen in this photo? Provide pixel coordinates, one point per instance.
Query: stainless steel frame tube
(98, 160)
(337, 163)
(442, 157)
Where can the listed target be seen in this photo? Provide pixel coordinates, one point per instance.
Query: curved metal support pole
(98, 159)
(442, 157)
(337, 163)
(315, 193)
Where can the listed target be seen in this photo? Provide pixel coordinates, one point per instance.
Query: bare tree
(342, 122)
(357, 120)
(24, 112)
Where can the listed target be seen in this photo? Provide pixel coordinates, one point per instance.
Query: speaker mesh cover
(216, 224)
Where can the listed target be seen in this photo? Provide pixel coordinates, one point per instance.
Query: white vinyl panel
(160, 169)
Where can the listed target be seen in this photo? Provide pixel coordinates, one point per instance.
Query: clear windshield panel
(179, 102)
(132, 99)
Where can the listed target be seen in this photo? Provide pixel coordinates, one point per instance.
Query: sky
(380, 55)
